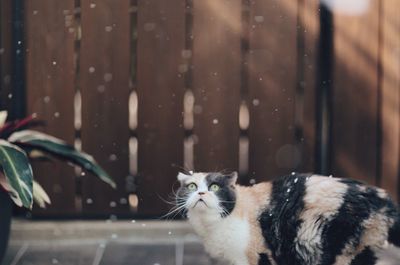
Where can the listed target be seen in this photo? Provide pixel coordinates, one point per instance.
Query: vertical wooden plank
(390, 54)
(355, 93)
(104, 82)
(216, 83)
(161, 42)
(307, 74)
(5, 54)
(272, 88)
(50, 91)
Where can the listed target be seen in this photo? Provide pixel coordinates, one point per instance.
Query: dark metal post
(18, 109)
(1, 60)
(324, 93)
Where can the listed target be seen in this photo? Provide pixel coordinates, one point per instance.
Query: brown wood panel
(355, 94)
(104, 82)
(50, 91)
(160, 86)
(5, 54)
(390, 54)
(272, 63)
(307, 75)
(216, 83)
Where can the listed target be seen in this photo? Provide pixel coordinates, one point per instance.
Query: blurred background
(152, 87)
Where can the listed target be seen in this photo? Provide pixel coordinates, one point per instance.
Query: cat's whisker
(224, 212)
(173, 200)
(173, 210)
(179, 212)
(169, 216)
(166, 201)
(182, 212)
(174, 193)
(170, 202)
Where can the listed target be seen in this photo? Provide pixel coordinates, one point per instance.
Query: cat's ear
(232, 177)
(182, 177)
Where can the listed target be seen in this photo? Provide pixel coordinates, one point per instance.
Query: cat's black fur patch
(280, 221)
(394, 233)
(351, 181)
(366, 257)
(370, 194)
(346, 226)
(226, 193)
(263, 259)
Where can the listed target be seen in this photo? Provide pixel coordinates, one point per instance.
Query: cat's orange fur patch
(247, 198)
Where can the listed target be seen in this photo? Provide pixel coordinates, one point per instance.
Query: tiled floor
(109, 243)
(104, 243)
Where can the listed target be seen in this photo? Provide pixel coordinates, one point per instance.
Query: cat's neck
(205, 225)
(251, 199)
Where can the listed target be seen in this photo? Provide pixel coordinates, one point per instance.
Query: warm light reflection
(222, 11)
(78, 110)
(133, 202)
(347, 7)
(188, 107)
(244, 116)
(390, 54)
(133, 110)
(133, 156)
(356, 56)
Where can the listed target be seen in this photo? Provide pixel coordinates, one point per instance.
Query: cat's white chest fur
(226, 238)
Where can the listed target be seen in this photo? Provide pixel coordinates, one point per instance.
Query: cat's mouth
(200, 200)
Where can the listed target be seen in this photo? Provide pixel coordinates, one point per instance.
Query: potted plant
(18, 145)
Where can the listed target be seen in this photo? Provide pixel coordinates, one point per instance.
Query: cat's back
(313, 219)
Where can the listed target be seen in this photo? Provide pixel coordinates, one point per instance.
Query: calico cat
(299, 219)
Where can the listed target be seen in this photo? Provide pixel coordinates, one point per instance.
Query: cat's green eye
(192, 187)
(214, 188)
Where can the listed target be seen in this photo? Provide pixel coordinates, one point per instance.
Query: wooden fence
(150, 86)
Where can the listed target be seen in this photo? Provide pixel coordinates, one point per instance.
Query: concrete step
(105, 243)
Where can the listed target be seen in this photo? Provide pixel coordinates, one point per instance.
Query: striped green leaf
(18, 172)
(40, 196)
(3, 118)
(60, 149)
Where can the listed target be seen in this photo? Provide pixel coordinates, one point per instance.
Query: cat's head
(211, 194)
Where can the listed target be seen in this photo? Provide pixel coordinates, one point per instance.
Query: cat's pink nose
(201, 193)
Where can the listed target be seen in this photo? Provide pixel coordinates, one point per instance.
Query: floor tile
(125, 254)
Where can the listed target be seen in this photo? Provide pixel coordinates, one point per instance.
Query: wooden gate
(151, 86)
